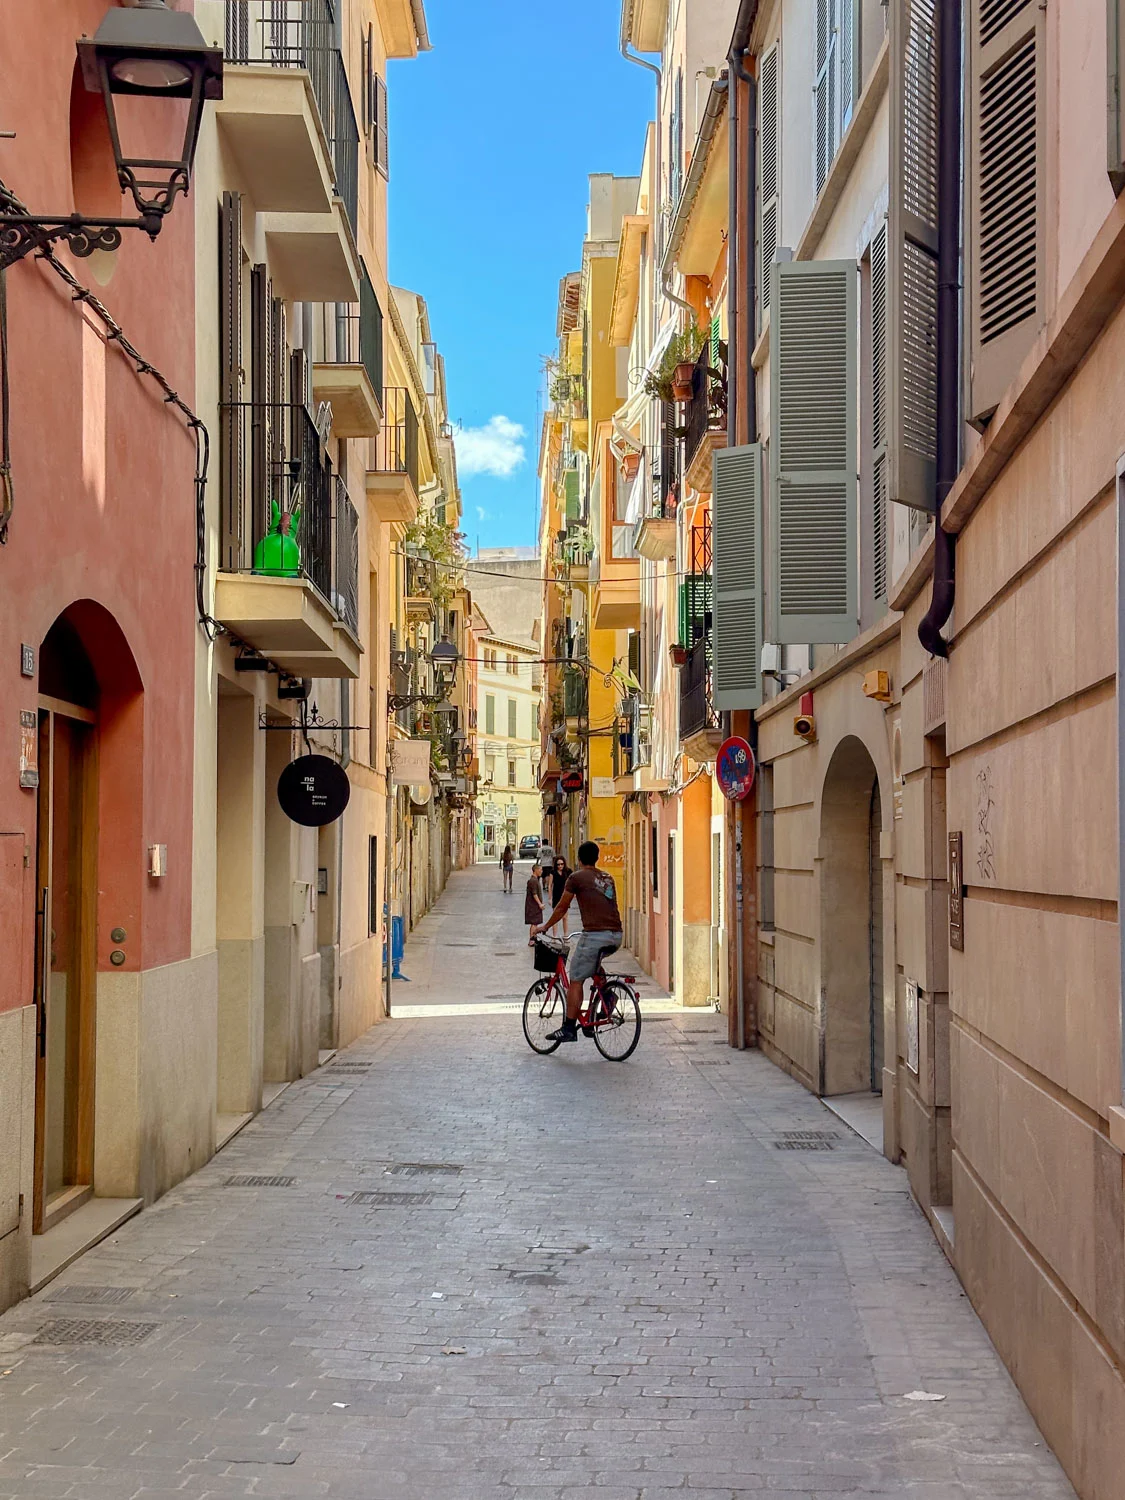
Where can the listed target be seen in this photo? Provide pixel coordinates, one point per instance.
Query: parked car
(529, 846)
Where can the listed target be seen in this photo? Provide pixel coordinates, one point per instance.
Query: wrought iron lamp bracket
(24, 234)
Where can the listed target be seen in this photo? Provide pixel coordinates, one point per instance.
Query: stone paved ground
(616, 1285)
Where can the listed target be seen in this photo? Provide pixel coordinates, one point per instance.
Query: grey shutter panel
(769, 174)
(877, 539)
(1006, 174)
(912, 246)
(813, 453)
(822, 134)
(230, 381)
(736, 596)
(1115, 98)
(382, 136)
(849, 58)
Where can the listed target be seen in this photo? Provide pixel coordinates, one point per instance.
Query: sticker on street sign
(735, 769)
(313, 790)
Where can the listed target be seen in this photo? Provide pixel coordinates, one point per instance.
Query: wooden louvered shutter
(911, 256)
(382, 136)
(736, 599)
(769, 174)
(813, 453)
(879, 404)
(230, 380)
(1007, 166)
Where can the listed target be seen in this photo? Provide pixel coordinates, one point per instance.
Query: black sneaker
(567, 1032)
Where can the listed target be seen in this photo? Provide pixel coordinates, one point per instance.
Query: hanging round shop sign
(572, 781)
(313, 790)
(735, 769)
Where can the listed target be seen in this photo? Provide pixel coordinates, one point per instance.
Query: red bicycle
(610, 1013)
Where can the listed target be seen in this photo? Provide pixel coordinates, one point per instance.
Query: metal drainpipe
(948, 320)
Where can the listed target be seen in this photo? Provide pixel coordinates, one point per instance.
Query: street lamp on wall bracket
(445, 660)
(144, 52)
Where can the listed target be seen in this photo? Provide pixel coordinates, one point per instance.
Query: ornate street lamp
(144, 52)
(445, 659)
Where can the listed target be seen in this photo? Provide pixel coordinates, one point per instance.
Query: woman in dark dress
(557, 876)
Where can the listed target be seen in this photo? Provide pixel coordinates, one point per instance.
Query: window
(373, 912)
(535, 721)
(513, 666)
(837, 66)
(769, 175)
(511, 773)
(736, 589)
(513, 727)
(380, 134)
(490, 714)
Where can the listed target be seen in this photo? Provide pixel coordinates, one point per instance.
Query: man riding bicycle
(601, 933)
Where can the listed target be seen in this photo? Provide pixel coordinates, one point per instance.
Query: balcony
(700, 733)
(392, 473)
(420, 606)
(705, 421)
(655, 536)
(615, 585)
(288, 581)
(576, 697)
(348, 370)
(288, 122)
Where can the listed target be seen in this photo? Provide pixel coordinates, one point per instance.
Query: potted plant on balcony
(671, 380)
(679, 654)
(630, 464)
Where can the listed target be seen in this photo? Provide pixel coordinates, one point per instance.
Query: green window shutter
(849, 61)
(573, 507)
(682, 632)
(714, 340)
(813, 453)
(736, 534)
(826, 97)
(911, 257)
(512, 724)
(490, 715)
(769, 174)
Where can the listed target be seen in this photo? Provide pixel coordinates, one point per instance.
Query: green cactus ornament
(278, 554)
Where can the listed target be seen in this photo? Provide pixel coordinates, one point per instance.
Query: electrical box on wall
(158, 861)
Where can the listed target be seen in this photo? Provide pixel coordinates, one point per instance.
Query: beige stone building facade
(937, 838)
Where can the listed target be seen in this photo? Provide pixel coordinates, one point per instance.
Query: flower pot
(678, 653)
(681, 381)
(631, 464)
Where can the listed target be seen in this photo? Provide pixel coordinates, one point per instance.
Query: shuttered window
(769, 173)
(813, 453)
(1007, 166)
(736, 534)
(849, 61)
(911, 257)
(379, 125)
(825, 135)
(513, 709)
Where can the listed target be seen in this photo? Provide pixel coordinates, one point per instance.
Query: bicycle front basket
(547, 956)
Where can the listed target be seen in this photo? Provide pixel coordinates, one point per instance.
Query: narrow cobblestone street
(443, 1267)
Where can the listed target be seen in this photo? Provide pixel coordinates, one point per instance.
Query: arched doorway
(88, 733)
(851, 924)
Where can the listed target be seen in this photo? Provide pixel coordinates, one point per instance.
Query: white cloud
(482, 514)
(494, 448)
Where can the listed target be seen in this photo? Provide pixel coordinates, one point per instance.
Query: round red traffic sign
(572, 781)
(735, 769)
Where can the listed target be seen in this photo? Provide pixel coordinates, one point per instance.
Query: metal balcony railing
(707, 409)
(395, 450)
(696, 710)
(353, 336)
(303, 34)
(283, 513)
(575, 694)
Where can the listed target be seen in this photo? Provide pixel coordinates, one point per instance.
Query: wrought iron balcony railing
(303, 34)
(707, 409)
(696, 710)
(283, 513)
(395, 450)
(351, 335)
(575, 693)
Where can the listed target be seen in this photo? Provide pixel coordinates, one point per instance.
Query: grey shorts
(589, 951)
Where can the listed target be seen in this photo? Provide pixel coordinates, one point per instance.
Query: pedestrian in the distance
(558, 875)
(507, 860)
(533, 901)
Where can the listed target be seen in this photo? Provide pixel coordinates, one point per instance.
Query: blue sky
(493, 134)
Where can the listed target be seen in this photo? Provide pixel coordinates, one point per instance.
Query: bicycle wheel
(617, 1028)
(544, 1008)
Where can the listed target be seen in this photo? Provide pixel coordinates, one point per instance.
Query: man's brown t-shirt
(596, 895)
